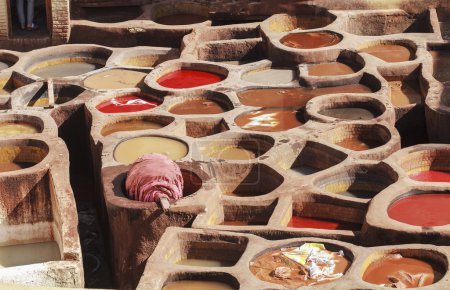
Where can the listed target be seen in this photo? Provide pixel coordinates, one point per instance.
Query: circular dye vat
(197, 107)
(128, 151)
(65, 69)
(228, 153)
(181, 19)
(269, 120)
(348, 113)
(311, 40)
(408, 272)
(431, 176)
(424, 210)
(271, 76)
(330, 69)
(185, 79)
(14, 158)
(390, 52)
(126, 104)
(324, 224)
(357, 144)
(197, 285)
(292, 267)
(17, 128)
(115, 79)
(293, 97)
(405, 93)
(132, 125)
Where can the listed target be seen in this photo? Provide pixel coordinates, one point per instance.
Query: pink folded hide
(154, 176)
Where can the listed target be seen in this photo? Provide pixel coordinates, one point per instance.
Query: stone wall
(4, 31)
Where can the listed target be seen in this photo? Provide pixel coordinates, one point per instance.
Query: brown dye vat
(197, 285)
(197, 107)
(20, 255)
(441, 63)
(14, 158)
(228, 153)
(269, 120)
(132, 125)
(404, 93)
(65, 69)
(396, 271)
(390, 52)
(330, 69)
(181, 19)
(115, 79)
(295, 275)
(357, 144)
(293, 97)
(311, 40)
(128, 151)
(17, 128)
(348, 113)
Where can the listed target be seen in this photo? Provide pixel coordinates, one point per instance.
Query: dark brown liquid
(310, 40)
(293, 97)
(13, 166)
(197, 107)
(390, 52)
(358, 144)
(181, 19)
(269, 120)
(330, 69)
(263, 267)
(348, 113)
(410, 272)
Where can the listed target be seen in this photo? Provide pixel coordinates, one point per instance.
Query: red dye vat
(183, 79)
(431, 176)
(426, 210)
(315, 223)
(126, 104)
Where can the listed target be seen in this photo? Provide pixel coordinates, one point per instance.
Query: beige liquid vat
(16, 128)
(115, 79)
(19, 255)
(128, 151)
(228, 153)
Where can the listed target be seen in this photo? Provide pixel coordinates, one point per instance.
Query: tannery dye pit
(225, 144)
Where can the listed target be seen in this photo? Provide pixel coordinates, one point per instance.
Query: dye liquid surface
(126, 104)
(115, 79)
(184, 79)
(65, 69)
(408, 272)
(425, 210)
(310, 40)
(325, 224)
(16, 128)
(19, 255)
(390, 52)
(128, 151)
(330, 69)
(197, 107)
(431, 176)
(269, 120)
